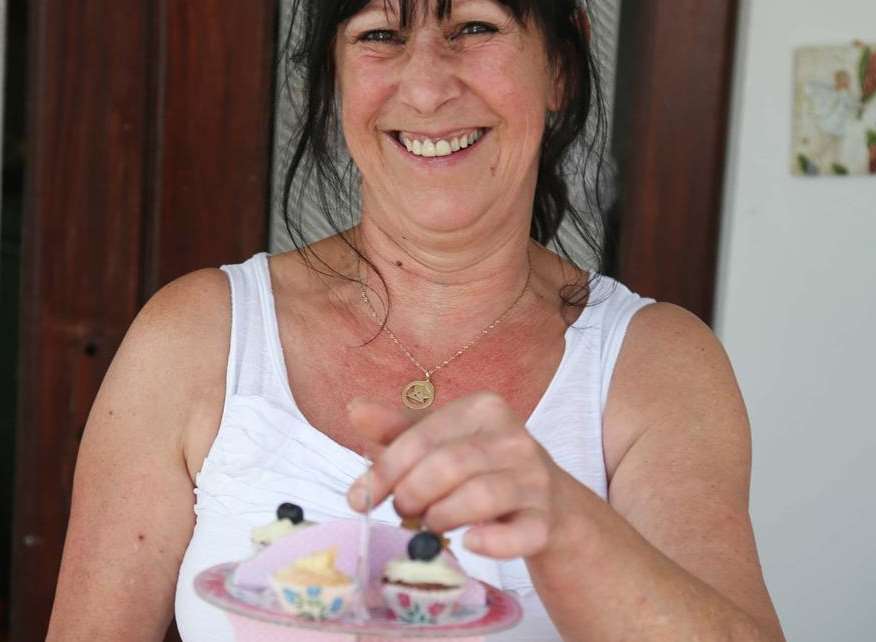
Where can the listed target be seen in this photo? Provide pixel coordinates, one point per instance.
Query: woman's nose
(428, 79)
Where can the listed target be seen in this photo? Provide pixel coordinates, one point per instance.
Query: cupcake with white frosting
(313, 588)
(290, 519)
(423, 588)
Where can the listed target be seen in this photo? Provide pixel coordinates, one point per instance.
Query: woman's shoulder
(182, 334)
(671, 364)
(308, 270)
(609, 307)
(607, 290)
(652, 330)
(663, 333)
(187, 306)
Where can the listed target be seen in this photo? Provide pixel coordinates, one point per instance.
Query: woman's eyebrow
(390, 10)
(372, 7)
(381, 6)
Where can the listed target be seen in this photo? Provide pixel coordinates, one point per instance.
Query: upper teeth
(441, 147)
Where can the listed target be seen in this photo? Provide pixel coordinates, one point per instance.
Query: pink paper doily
(502, 611)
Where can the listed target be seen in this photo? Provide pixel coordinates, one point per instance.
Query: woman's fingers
(442, 470)
(452, 463)
(463, 417)
(391, 465)
(379, 422)
(471, 462)
(521, 534)
(481, 499)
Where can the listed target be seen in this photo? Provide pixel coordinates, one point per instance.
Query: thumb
(379, 422)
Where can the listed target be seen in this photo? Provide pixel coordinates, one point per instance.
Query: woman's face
(445, 121)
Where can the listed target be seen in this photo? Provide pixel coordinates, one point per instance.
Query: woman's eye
(474, 29)
(380, 36)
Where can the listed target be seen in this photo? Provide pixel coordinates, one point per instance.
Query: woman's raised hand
(469, 463)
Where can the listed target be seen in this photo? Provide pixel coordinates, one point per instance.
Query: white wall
(797, 313)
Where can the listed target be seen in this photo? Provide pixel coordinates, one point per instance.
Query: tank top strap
(614, 306)
(253, 354)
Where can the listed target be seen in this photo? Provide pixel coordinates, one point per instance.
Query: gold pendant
(418, 395)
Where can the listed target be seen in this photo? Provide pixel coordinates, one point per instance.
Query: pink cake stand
(242, 590)
(255, 614)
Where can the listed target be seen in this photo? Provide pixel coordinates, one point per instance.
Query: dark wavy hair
(573, 146)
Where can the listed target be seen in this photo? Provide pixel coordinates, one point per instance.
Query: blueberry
(424, 546)
(292, 512)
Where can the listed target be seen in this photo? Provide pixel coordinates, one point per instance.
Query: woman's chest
(325, 375)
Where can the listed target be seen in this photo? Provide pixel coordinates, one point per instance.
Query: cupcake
(290, 518)
(422, 588)
(313, 588)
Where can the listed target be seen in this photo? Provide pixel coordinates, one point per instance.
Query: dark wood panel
(216, 116)
(148, 156)
(673, 97)
(81, 260)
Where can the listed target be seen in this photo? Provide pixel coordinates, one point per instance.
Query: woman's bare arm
(672, 556)
(132, 517)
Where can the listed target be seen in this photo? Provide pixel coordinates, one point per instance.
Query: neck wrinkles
(445, 283)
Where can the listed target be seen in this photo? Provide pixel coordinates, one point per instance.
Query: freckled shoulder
(132, 508)
(179, 346)
(670, 363)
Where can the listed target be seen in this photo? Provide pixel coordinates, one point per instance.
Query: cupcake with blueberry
(313, 588)
(423, 587)
(290, 518)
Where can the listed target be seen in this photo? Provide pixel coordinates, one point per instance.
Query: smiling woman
(573, 139)
(579, 445)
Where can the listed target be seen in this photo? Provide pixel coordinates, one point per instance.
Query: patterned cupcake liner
(421, 606)
(314, 602)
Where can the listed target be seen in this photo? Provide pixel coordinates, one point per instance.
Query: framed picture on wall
(834, 110)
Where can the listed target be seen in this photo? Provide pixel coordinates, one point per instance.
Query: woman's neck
(443, 284)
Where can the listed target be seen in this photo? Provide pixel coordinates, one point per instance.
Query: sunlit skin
(479, 69)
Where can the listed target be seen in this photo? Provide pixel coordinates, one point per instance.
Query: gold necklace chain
(421, 394)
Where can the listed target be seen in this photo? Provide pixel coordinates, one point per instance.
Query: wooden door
(149, 144)
(671, 110)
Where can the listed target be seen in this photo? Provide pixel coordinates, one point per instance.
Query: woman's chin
(448, 218)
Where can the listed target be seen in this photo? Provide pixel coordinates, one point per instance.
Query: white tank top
(266, 453)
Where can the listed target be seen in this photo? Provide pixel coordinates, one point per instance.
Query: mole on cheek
(399, 264)
(141, 537)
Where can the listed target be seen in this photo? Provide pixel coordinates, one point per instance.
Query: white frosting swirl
(270, 533)
(436, 571)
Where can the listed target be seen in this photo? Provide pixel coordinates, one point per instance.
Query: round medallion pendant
(418, 395)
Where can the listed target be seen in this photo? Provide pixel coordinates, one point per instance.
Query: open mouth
(439, 147)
